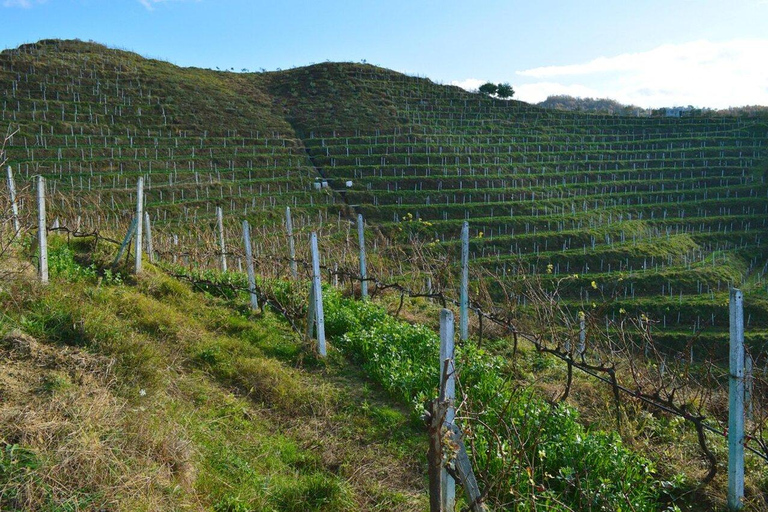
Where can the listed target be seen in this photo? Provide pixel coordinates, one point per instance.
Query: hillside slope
(646, 207)
(149, 395)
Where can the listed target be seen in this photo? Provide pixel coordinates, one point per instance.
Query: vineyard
(638, 226)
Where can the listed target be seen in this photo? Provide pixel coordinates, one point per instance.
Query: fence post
(14, 205)
(126, 241)
(139, 216)
(291, 243)
(42, 231)
(148, 237)
(363, 274)
(464, 298)
(222, 248)
(748, 385)
(317, 297)
(249, 264)
(736, 403)
(447, 393)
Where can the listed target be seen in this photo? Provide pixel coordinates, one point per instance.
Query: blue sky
(648, 52)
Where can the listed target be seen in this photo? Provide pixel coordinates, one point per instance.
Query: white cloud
(700, 73)
(470, 84)
(539, 91)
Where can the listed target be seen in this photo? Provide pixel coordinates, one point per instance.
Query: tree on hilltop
(499, 90)
(504, 90)
(488, 88)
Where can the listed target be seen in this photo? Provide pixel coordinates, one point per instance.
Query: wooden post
(582, 333)
(42, 231)
(748, 385)
(736, 403)
(222, 248)
(447, 394)
(435, 455)
(126, 241)
(249, 264)
(311, 312)
(363, 274)
(139, 216)
(317, 297)
(291, 243)
(462, 472)
(464, 297)
(14, 204)
(148, 237)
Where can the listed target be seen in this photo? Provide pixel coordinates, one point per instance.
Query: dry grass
(93, 449)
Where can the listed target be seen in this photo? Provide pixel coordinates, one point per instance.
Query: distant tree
(489, 88)
(504, 90)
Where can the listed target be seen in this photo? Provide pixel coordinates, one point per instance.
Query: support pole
(42, 231)
(464, 297)
(148, 237)
(249, 264)
(363, 274)
(222, 248)
(139, 217)
(736, 403)
(317, 296)
(582, 333)
(14, 204)
(447, 394)
(291, 242)
(126, 241)
(749, 381)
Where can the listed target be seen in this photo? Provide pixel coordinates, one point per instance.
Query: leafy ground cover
(532, 453)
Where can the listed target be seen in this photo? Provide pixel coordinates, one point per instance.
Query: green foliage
(63, 263)
(553, 456)
(504, 90)
(17, 465)
(500, 90)
(488, 88)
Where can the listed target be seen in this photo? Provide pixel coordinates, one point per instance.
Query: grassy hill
(624, 217)
(653, 201)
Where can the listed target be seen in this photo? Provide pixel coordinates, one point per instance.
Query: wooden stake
(291, 243)
(361, 241)
(14, 204)
(222, 248)
(139, 217)
(249, 264)
(148, 237)
(42, 231)
(464, 297)
(317, 297)
(736, 403)
(447, 394)
(126, 241)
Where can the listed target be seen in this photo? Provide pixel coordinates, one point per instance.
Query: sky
(650, 53)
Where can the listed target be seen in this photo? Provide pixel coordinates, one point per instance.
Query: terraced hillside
(93, 120)
(651, 215)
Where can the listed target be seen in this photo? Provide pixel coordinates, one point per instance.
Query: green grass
(225, 408)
